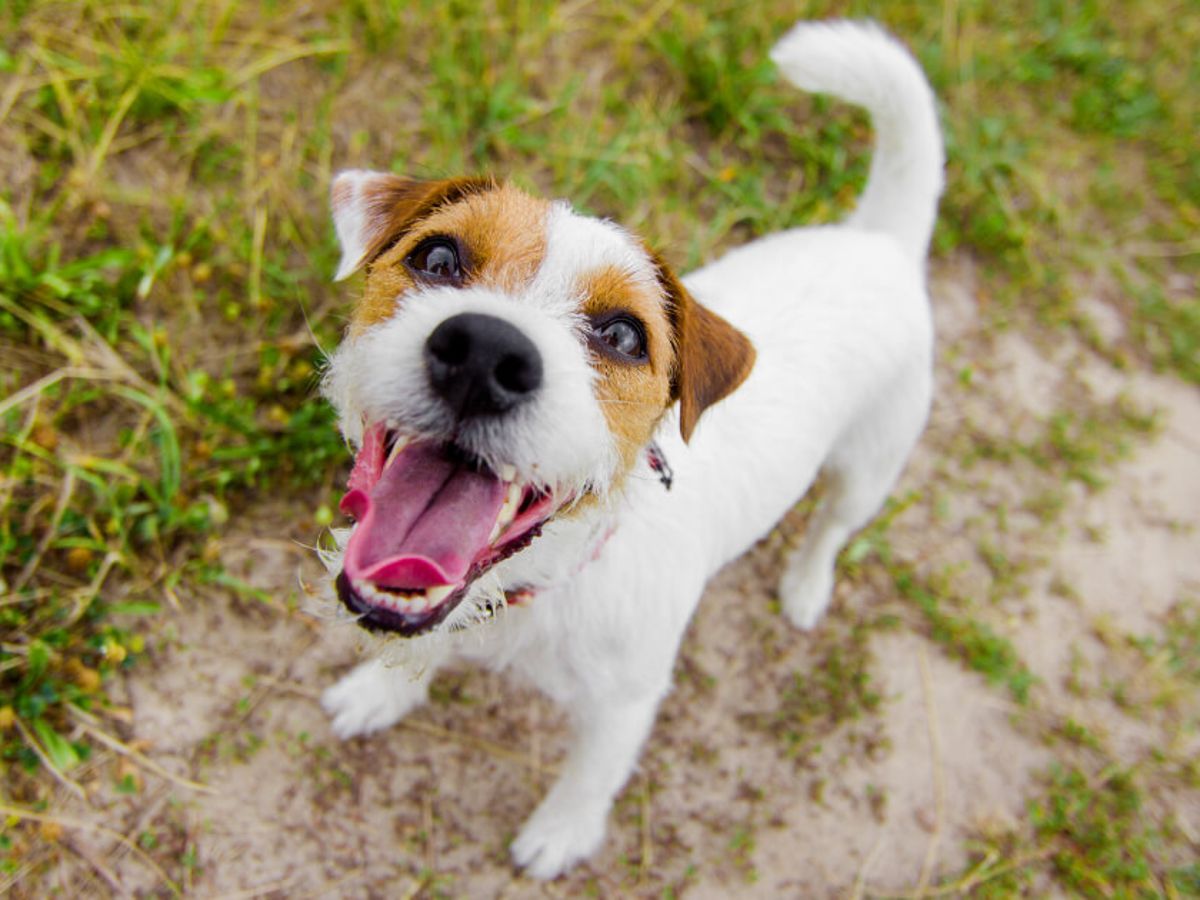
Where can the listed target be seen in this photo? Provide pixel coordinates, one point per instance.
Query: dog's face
(507, 363)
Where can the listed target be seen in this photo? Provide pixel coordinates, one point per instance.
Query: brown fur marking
(632, 396)
(501, 229)
(504, 231)
(712, 358)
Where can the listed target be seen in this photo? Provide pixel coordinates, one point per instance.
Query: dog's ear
(372, 209)
(712, 358)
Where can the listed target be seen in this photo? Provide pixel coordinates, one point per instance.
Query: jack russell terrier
(517, 376)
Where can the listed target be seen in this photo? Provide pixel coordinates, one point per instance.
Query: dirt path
(863, 758)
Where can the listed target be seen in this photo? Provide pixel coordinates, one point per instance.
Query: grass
(1102, 841)
(165, 254)
(966, 637)
(833, 694)
(1080, 442)
(1089, 834)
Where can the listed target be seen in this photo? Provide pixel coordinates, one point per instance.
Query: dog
(558, 441)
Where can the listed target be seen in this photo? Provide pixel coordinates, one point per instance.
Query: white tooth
(416, 604)
(404, 603)
(401, 443)
(508, 472)
(438, 593)
(511, 501)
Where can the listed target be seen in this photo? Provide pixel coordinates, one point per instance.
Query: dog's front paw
(556, 837)
(371, 698)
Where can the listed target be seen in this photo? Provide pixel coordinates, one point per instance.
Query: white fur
(840, 319)
(352, 219)
(860, 63)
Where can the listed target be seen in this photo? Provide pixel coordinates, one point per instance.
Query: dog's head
(509, 359)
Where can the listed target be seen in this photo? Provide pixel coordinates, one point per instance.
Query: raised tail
(860, 63)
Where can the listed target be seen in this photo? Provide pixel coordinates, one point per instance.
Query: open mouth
(431, 520)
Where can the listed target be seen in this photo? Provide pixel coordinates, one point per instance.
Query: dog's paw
(369, 699)
(554, 839)
(804, 596)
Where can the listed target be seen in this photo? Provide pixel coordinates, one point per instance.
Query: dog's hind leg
(807, 583)
(861, 472)
(375, 696)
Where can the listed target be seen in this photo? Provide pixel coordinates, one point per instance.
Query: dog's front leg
(375, 696)
(569, 824)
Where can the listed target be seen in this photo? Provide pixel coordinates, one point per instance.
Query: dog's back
(840, 318)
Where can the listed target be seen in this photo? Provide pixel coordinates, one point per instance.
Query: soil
(882, 798)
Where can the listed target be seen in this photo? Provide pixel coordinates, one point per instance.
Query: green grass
(165, 254)
(1100, 842)
(833, 692)
(1087, 834)
(1080, 442)
(966, 637)
(121, 453)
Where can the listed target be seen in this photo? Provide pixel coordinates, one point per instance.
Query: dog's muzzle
(481, 365)
(432, 517)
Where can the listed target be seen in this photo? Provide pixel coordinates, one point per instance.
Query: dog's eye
(436, 259)
(623, 336)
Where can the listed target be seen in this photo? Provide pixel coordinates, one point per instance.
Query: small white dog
(516, 377)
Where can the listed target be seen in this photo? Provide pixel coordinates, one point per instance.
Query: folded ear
(372, 209)
(712, 358)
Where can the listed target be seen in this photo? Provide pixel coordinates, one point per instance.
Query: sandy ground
(877, 801)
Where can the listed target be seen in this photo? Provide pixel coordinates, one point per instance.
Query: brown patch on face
(500, 228)
(504, 231)
(632, 395)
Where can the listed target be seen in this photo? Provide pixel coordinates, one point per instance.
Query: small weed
(1077, 733)
(1168, 328)
(1186, 880)
(1078, 443)
(835, 690)
(741, 848)
(1088, 836)
(1101, 844)
(1181, 641)
(1080, 446)
(1169, 663)
(1007, 575)
(970, 640)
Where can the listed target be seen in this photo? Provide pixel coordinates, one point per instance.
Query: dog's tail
(862, 64)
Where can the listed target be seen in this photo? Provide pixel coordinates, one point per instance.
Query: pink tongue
(423, 522)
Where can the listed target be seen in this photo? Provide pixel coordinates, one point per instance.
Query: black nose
(482, 365)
